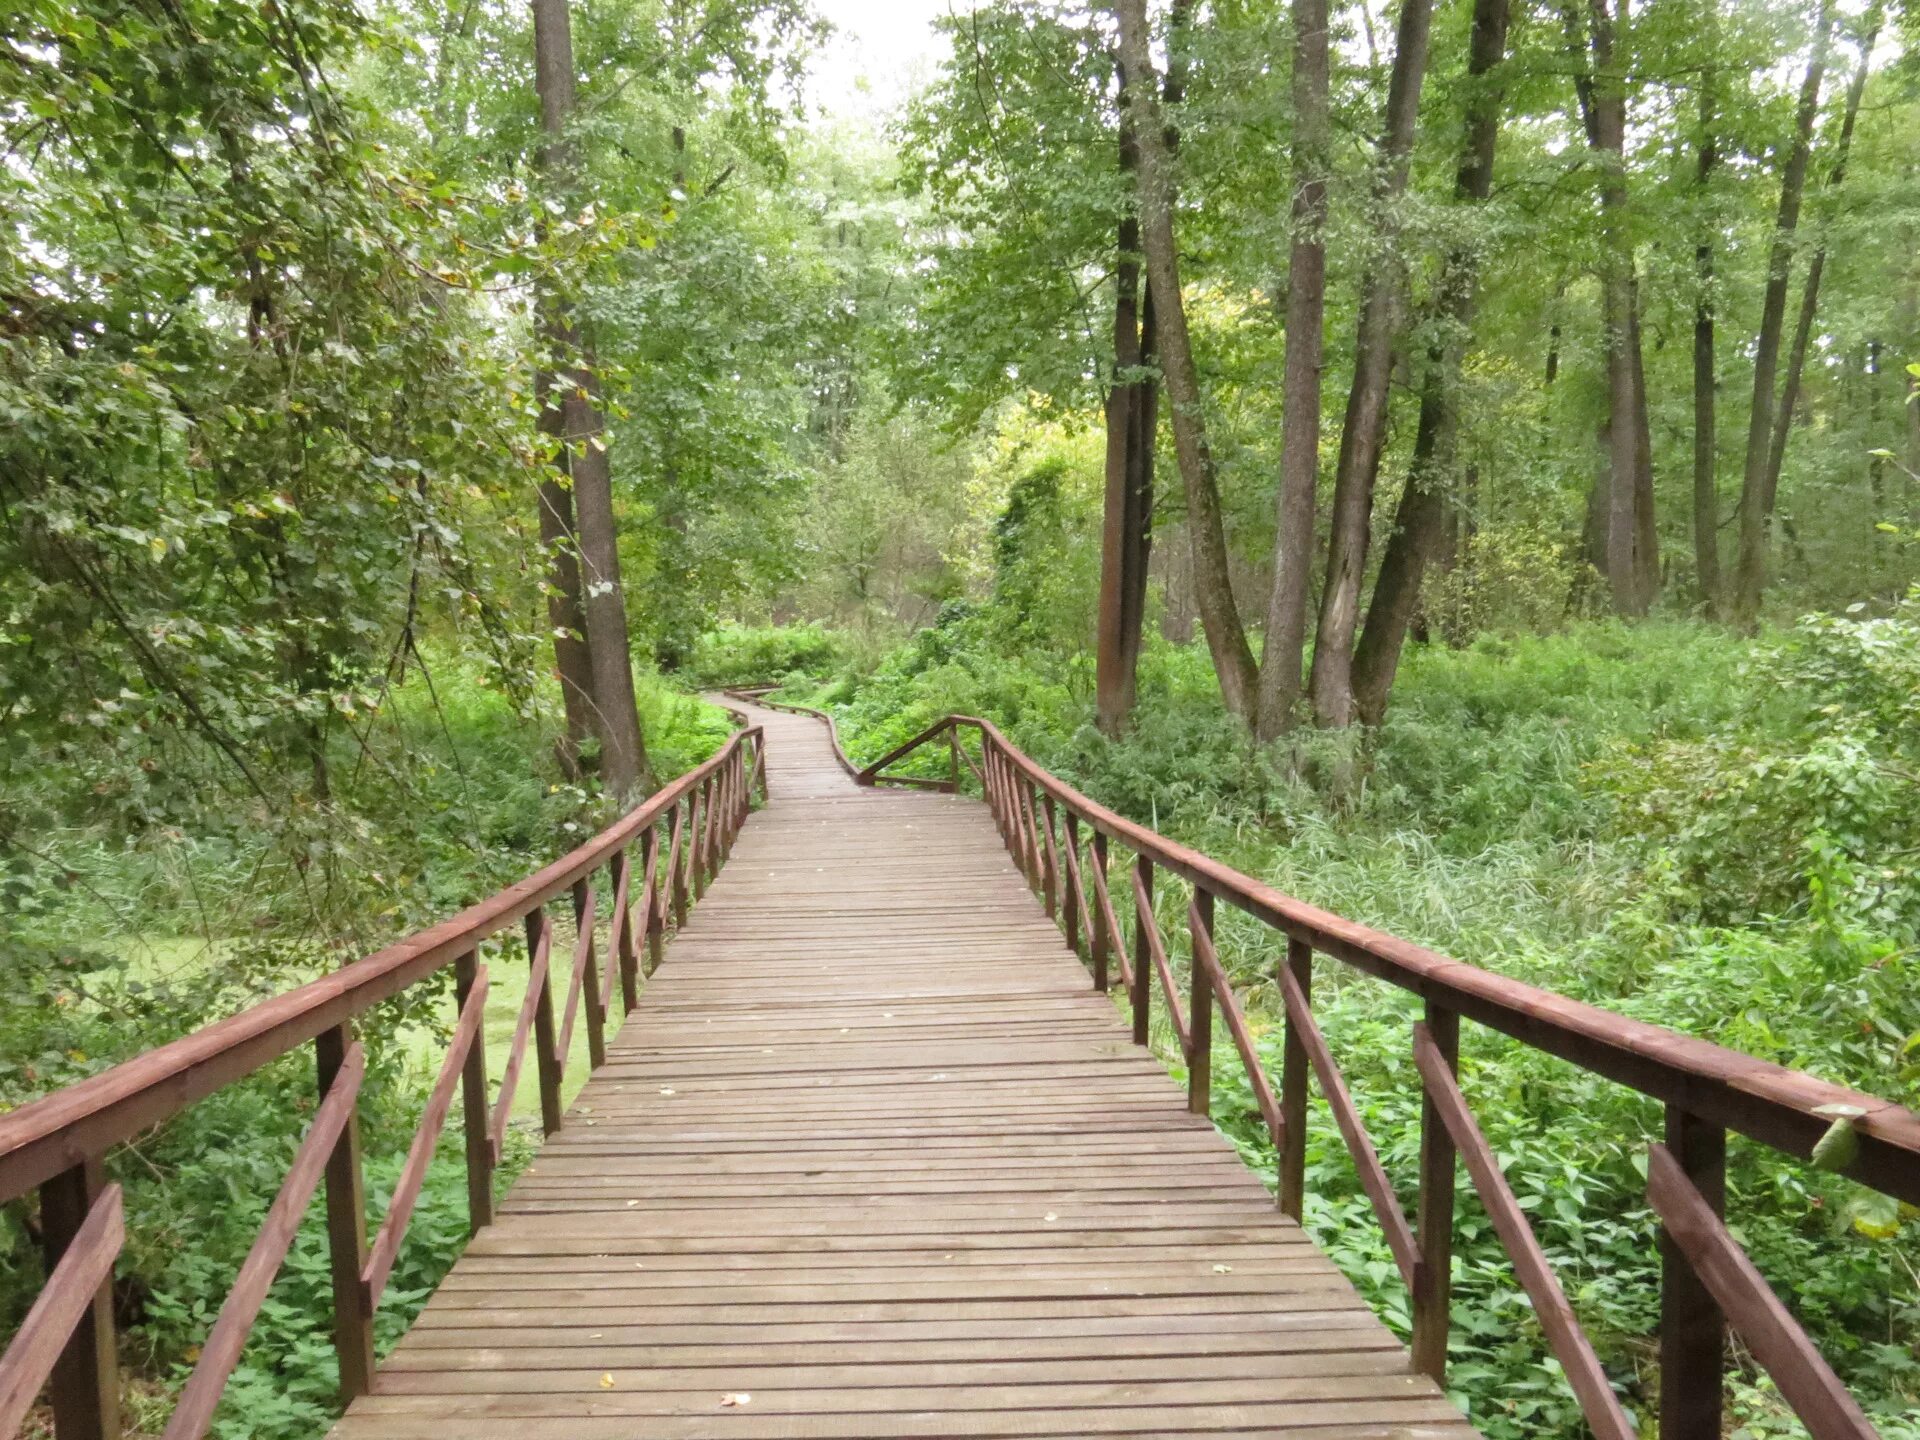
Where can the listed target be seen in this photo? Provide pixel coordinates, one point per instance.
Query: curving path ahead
(872, 1159)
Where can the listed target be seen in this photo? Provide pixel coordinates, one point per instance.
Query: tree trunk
(573, 417)
(1706, 494)
(1810, 295)
(565, 616)
(1363, 432)
(1126, 534)
(1756, 493)
(1213, 591)
(1420, 521)
(1284, 646)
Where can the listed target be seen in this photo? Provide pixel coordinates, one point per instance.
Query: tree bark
(1420, 520)
(1363, 431)
(1219, 615)
(1756, 493)
(573, 417)
(1810, 295)
(1706, 493)
(1126, 534)
(1284, 646)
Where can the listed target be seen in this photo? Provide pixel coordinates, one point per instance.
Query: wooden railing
(60, 1143)
(1708, 1284)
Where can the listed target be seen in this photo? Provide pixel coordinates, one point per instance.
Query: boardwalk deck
(871, 1159)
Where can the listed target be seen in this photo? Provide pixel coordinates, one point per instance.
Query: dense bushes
(1664, 820)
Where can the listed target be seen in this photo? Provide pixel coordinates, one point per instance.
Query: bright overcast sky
(880, 50)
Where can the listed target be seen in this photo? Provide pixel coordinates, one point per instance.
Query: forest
(1455, 460)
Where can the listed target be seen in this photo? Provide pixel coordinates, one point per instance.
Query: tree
(1363, 432)
(574, 420)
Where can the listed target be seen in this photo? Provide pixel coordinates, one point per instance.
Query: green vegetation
(1696, 830)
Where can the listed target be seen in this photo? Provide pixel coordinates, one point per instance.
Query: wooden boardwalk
(872, 1159)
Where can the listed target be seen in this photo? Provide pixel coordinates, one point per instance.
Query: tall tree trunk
(1756, 493)
(1213, 591)
(1420, 521)
(1126, 534)
(565, 617)
(1284, 647)
(1706, 493)
(1363, 432)
(1810, 295)
(581, 457)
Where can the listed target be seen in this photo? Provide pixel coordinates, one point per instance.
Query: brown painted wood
(346, 1226)
(652, 904)
(1147, 932)
(542, 945)
(547, 1057)
(622, 952)
(1292, 1147)
(61, 1339)
(1346, 1115)
(1585, 1378)
(1432, 1289)
(1076, 900)
(579, 973)
(1199, 1006)
(1140, 993)
(478, 1135)
(220, 1352)
(1102, 934)
(1693, 1331)
(1769, 1330)
(426, 1136)
(1207, 959)
(871, 1151)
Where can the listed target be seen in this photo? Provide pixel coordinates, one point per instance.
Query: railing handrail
(1789, 1110)
(58, 1131)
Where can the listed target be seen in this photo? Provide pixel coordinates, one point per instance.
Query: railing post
(1098, 940)
(655, 901)
(1693, 1332)
(546, 1039)
(1142, 957)
(585, 920)
(1050, 859)
(84, 1387)
(473, 1105)
(701, 818)
(677, 858)
(620, 881)
(346, 1231)
(1073, 890)
(1433, 1275)
(1200, 1012)
(953, 756)
(1294, 1076)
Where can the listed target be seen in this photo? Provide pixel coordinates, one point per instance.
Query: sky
(880, 51)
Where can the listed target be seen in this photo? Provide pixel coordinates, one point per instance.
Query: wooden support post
(1098, 940)
(546, 1040)
(84, 1388)
(1294, 1078)
(473, 1105)
(1433, 1275)
(346, 1231)
(701, 818)
(1693, 1331)
(1074, 898)
(1142, 957)
(677, 859)
(953, 757)
(1050, 852)
(586, 921)
(620, 882)
(1200, 1013)
(652, 868)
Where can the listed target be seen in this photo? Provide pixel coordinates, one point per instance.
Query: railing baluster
(1207, 958)
(540, 938)
(1147, 933)
(1293, 1086)
(546, 1047)
(1100, 939)
(76, 1279)
(473, 1105)
(586, 981)
(1432, 1289)
(652, 899)
(84, 1385)
(1693, 1331)
(627, 953)
(1142, 947)
(1050, 877)
(1199, 1008)
(346, 1228)
(1076, 902)
(676, 862)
